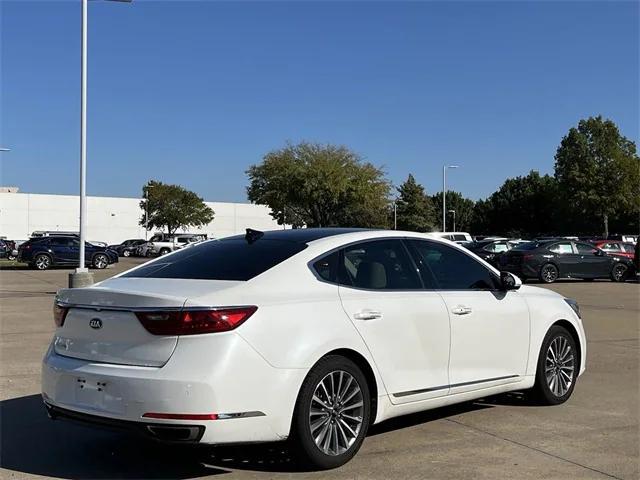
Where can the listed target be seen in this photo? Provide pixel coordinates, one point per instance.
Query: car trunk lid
(101, 323)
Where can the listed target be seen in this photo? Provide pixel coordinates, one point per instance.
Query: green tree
(414, 211)
(521, 207)
(463, 207)
(318, 185)
(598, 170)
(172, 207)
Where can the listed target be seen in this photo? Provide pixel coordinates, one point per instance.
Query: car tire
(326, 431)
(548, 273)
(42, 261)
(126, 253)
(619, 272)
(164, 251)
(100, 261)
(557, 369)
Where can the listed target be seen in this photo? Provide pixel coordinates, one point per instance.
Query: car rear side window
(564, 247)
(232, 259)
(452, 268)
(379, 265)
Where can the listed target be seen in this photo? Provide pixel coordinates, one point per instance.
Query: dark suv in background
(45, 252)
(549, 260)
(128, 247)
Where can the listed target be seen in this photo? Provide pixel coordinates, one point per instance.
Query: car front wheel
(100, 261)
(549, 273)
(332, 413)
(126, 253)
(557, 368)
(42, 262)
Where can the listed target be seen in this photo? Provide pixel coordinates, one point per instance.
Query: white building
(113, 219)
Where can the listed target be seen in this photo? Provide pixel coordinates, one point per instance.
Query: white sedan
(309, 335)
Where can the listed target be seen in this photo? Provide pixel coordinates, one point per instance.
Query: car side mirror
(509, 281)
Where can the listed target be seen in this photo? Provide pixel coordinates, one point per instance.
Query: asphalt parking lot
(594, 435)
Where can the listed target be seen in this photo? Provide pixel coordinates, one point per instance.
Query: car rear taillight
(527, 257)
(194, 322)
(25, 247)
(59, 314)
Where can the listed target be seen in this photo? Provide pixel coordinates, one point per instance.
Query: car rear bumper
(157, 431)
(213, 374)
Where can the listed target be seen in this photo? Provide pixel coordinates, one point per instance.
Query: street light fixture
(444, 195)
(454, 219)
(82, 277)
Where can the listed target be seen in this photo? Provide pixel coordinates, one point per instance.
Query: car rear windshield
(232, 259)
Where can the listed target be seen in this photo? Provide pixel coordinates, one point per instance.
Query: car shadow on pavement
(32, 443)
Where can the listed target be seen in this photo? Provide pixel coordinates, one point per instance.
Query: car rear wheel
(100, 261)
(618, 272)
(164, 251)
(42, 261)
(549, 273)
(332, 413)
(557, 369)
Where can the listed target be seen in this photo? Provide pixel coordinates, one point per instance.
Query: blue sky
(195, 92)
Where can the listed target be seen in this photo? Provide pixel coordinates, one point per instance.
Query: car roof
(305, 235)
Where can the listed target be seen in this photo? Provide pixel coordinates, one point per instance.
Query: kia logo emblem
(95, 323)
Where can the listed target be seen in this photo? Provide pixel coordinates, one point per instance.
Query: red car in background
(614, 247)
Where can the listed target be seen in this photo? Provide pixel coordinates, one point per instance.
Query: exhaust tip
(175, 433)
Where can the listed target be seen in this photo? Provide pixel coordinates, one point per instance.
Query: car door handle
(461, 310)
(367, 315)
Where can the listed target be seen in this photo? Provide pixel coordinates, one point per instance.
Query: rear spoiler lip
(147, 309)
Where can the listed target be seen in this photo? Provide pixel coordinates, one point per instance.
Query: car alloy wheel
(336, 413)
(549, 273)
(559, 366)
(618, 272)
(126, 253)
(42, 262)
(100, 261)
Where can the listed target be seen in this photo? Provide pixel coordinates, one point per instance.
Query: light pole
(454, 219)
(81, 277)
(395, 214)
(444, 195)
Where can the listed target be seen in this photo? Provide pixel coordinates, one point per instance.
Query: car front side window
(586, 249)
(454, 269)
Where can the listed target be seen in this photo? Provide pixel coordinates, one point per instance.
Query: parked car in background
(8, 249)
(46, 252)
(161, 243)
(308, 334)
(458, 237)
(128, 247)
(629, 238)
(613, 247)
(491, 249)
(550, 260)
